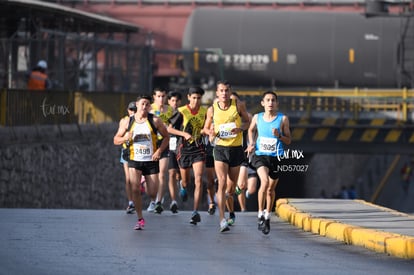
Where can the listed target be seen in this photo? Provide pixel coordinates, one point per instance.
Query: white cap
(42, 64)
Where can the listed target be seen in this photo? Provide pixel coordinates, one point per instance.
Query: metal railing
(23, 107)
(351, 103)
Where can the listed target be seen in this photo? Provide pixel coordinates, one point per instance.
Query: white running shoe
(224, 226)
(151, 206)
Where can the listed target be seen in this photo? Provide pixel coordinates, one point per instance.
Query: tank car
(272, 48)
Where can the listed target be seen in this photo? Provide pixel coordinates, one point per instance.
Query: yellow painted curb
(384, 242)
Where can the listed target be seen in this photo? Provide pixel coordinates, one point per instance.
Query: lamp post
(381, 8)
(150, 43)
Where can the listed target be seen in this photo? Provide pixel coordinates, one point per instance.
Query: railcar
(271, 48)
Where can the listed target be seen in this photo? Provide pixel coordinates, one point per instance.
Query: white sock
(131, 203)
(267, 215)
(260, 214)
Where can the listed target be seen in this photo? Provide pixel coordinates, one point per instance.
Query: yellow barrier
(344, 100)
(23, 107)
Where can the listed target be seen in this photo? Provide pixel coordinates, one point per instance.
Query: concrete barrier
(372, 236)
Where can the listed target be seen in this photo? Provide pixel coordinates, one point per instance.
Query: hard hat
(42, 64)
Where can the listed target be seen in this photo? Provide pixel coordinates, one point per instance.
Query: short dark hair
(196, 90)
(175, 94)
(224, 82)
(159, 89)
(269, 93)
(144, 97)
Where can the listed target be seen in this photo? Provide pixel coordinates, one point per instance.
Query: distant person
(38, 78)
(210, 175)
(352, 194)
(343, 194)
(247, 181)
(161, 109)
(174, 177)
(406, 172)
(144, 153)
(268, 133)
(132, 108)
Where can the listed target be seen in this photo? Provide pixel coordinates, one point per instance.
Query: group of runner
(223, 141)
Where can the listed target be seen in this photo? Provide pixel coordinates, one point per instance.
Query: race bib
(142, 152)
(225, 130)
(267, 145)
(173, 143)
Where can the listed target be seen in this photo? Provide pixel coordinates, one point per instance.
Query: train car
(271, 48)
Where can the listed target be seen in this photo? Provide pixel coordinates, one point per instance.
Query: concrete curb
(397, 245)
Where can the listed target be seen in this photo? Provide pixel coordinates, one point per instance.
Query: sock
(130, 203)
(260, 214)
(267, 215)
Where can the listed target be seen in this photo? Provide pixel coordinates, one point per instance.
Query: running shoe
(260, 223)
(232, 219)
(130, 209)
(140, 224)
(224, 226)
(195, 218)
(212, 209)
(174, 207)
(183, 194)
(266, 227)
(158, 208)
(151, 206)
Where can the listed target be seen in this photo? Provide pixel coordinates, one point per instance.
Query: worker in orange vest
(38, 79)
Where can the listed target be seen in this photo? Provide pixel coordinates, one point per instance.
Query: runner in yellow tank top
(230, 119)
(225, 121)
(165, 112)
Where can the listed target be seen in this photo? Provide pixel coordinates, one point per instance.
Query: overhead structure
(84, 51)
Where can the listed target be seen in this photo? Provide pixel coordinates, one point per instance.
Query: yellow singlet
(193, 122)
(224, 121)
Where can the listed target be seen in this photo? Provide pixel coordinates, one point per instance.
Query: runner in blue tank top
(268, 132)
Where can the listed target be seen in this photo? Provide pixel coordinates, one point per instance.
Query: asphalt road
(40, 241)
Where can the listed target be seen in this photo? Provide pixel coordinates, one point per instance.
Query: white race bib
(173, 143)
(267, 145)
(225, 130)
(142, 151)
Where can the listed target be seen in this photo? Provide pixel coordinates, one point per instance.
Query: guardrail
(23, 107)
(351, 103)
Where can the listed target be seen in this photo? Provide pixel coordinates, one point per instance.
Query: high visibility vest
(37, 81)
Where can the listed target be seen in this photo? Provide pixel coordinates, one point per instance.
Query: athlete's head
(174, 99)
(160, 96)
(269, 101)
(194, 96)
(143, 103)
(195, 90)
